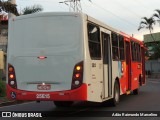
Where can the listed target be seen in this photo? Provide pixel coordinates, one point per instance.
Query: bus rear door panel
(96, 68)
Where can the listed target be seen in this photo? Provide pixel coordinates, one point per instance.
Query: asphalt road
(147, 100)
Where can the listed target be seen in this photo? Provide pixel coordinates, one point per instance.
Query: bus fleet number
(47, 96)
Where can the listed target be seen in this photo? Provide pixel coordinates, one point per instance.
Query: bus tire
(136, 91)
(116, 95)
(63, 103)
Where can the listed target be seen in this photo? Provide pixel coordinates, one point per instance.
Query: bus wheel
(116, 96)
(63, 103)
(136, 91)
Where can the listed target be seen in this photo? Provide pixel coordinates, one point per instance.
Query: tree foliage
(32, 9)
(157, 14)
(148, 23)
(8, 7)
(2, 88)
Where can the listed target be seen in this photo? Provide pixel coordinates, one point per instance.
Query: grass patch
(2, 88)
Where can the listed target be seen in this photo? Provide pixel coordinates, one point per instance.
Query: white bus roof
(87, 17)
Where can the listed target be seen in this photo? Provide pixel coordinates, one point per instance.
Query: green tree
(32, 9)
(7, 7)
(147, 23)
(157, 15)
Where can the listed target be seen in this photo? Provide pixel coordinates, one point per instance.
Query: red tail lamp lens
(10, 69)
(77, 75)
(11, 76)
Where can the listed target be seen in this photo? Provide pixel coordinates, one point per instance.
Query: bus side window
(121, 47)
(136, 52)
(139, 53)
(133, 51)
(115, 54)
(94, 41)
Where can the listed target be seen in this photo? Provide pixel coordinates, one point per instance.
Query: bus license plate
(43, 87)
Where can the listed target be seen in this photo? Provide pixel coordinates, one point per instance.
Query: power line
(38, 1)
(141, 4)
(116, 24)
(113, 14)
(74, 5)
(121, 27)
(129, 10)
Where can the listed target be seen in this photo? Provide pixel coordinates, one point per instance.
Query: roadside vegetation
(32, 9)
(149, 23)
(2, 88)
(8, 7)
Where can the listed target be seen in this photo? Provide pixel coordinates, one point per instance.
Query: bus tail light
(78, 75)
(77, 78)
(11, 76)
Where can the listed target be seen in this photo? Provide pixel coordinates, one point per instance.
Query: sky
(123, 15)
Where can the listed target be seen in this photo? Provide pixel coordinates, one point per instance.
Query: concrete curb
(153, 79)
(6, 103)
(14, 102)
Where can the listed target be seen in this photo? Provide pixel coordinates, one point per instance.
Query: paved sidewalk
(4, 101)
(153, 76)
(156, 79)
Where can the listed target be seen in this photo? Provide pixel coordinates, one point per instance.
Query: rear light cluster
(77, 78)
(11, 76)
(122, 70)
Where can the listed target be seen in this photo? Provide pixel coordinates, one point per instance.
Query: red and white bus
(67, 57)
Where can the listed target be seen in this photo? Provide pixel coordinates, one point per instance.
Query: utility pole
(74, 5)
(10, 15)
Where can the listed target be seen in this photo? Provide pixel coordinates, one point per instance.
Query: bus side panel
(143, 66)
(117, 73)
(123, 76)
(136, 71)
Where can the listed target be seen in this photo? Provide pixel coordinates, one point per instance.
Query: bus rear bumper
(79, 94)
